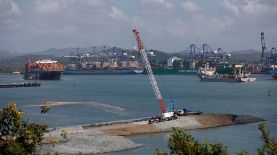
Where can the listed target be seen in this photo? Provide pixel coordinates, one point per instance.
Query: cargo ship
(43, 70)
(102, 71)
(211, 75)
(174, 65)
(86, 65)
(173, 71)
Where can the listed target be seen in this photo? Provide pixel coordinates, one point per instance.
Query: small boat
(248, 79)
(273, 72)
(16, 73)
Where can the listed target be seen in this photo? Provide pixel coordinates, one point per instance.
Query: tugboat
(43, 70)
(273, 72)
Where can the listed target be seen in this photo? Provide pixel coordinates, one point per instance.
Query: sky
(167, 25)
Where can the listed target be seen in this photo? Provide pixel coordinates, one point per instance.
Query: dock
(16, 85)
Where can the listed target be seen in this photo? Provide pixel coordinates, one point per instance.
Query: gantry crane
(267, 57)
(264, 50)
(166, 113)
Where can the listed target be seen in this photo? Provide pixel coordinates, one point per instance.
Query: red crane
(151, 76)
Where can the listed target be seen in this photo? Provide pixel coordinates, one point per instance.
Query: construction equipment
(165, 113)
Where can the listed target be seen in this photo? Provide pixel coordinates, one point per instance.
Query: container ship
(102, 71)
(43, 70)
(173, 71)
(174, 65)
(110, 67)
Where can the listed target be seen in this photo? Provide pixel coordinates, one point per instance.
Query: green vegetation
(270, 145)
(182, 143)
(16, 135)
(44, 109)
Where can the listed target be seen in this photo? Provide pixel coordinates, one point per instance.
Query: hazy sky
(168, 25)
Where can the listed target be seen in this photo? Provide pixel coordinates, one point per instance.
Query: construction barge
(16, 85)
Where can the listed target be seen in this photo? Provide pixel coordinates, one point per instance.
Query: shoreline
(113, 136)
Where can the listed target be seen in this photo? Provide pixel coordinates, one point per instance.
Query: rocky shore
(111, 136)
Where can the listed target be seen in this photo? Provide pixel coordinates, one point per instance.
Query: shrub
(16, 135)
(182, 143)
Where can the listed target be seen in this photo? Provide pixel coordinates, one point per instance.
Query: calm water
(108, 98)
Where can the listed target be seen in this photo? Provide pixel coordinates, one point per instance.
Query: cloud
(8, 9)
(212, 24)
(163, 3)
(63, 16)
(156, 7)
(178, 28)
(189, 6)
(166, 24)
(9, 13)
(117, 14)
(49, 6)
(249, 7)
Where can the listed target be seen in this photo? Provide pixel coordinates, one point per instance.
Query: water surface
(131, 96)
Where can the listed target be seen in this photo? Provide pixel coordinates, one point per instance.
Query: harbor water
(91, 99)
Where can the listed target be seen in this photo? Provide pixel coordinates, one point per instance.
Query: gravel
(91, 143)
(183, 122)
(105, 137)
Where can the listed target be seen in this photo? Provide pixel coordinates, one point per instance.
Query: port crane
(166, 112)
(206, 54)
(267, 57)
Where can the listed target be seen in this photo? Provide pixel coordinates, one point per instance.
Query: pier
(16, 85)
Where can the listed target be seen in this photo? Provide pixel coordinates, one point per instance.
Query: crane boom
(263, 48)
(149, 71)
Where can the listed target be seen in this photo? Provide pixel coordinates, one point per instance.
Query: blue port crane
(268, 57)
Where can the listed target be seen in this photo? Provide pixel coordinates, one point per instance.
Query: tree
(270, 145)
(182, 143)
(16, 135)
(44, 109)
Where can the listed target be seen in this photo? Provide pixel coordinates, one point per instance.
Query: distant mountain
(17, 63)
(73, 50)
(100, 50)
(245, 51)
(4, 54)
(250, 55)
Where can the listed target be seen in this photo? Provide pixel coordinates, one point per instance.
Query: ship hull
(102, 71)
(218, 79)
(173, 71)
(273, 73)
(43, 75)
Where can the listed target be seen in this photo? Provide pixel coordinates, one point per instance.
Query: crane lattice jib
(149, 71)
(264, 50)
